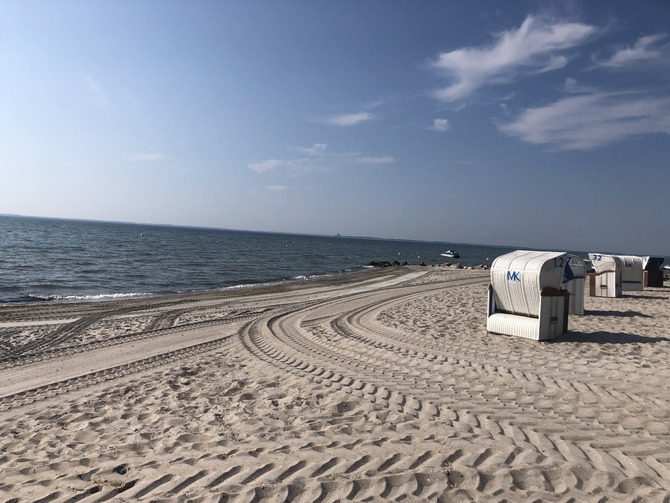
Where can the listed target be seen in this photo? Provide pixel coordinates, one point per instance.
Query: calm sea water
(67, 260)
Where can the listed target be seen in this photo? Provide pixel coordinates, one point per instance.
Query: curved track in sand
(380, 390)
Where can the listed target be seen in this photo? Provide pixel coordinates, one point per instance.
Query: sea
(56, 260)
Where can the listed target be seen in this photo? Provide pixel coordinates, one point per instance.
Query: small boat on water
(450, 254)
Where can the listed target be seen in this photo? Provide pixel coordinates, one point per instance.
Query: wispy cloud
(260, 167)
(440, 125)
(647, 48)
(571, 86)
(382, 159)
(314, 150)
(317, 158)
(348, 119)
(96, 92)
(592, 120)
(536, 46)
(148, 157)
(277, 188)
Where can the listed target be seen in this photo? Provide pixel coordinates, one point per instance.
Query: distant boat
(666, 267)
(450, 254)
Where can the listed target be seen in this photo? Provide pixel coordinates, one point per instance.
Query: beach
(382, 385)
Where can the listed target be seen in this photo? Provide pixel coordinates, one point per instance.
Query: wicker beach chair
(653, 276)
(632, 273)
(573, 281)
(606, 280)
(525, 295)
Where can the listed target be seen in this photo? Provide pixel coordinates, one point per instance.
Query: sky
(523, 123)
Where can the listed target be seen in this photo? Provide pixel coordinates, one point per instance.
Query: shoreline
(380, 385)
(343, 276)
(32, 300)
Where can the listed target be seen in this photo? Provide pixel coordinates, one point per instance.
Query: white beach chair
(606, 281)
(525, 296)
(653, 276)
(632, 273)
(573, 281)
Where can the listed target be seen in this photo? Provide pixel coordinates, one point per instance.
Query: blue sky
(523, 123)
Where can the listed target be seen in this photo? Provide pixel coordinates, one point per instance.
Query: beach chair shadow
(606, 338)
(620, 314)
(655, 297)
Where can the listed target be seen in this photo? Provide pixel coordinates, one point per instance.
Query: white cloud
(382, 159)
(553, 63)
(440, 125)
(260, 167)
(592, 120)
(277, 188)
(535, 46)
(571, 85)
(314, 150)
(348, 119)
(646, 48)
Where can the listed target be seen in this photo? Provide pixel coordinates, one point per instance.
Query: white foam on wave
(92, 297)
(247, 285)
(301, 277)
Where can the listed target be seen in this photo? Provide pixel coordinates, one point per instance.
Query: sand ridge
(383, 387)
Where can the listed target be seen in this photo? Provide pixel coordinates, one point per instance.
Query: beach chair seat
(525, 295)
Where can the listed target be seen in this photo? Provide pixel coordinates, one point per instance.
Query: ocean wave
(90, 298)
(251, 284)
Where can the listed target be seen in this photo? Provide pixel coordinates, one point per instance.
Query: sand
(383, 386)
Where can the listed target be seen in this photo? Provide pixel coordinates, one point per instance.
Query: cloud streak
(97, 93)
(277, 188)
(646, 48)
(589, 121)
(316, 158)
(262, 166)
(148, 157)
(536, 46)
(314, 150)
(382, 159)
(348, 119)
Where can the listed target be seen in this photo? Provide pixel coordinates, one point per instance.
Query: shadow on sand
(619, 314)
(645, 297)
(607, 338)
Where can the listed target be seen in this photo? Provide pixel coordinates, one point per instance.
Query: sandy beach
(379, 386)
